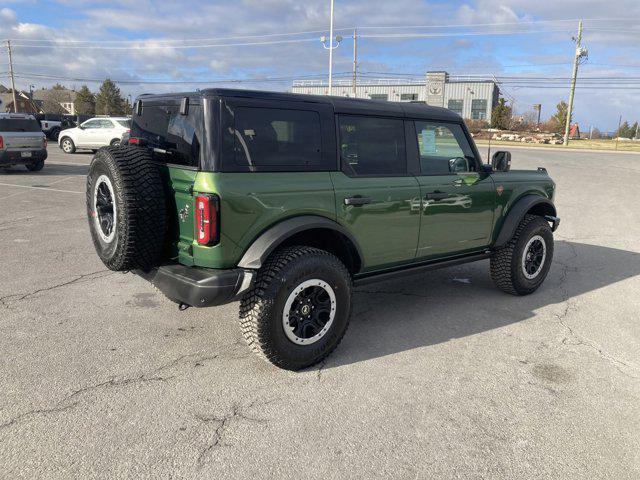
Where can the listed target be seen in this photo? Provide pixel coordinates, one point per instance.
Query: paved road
(439, 376)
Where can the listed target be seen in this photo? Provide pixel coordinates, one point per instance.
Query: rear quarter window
(173, 138)
(19, 125)
(273, 139)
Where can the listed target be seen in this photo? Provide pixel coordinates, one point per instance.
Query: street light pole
(331, 46)
(331, 52)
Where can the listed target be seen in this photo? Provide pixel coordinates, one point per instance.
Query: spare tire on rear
(126, 208)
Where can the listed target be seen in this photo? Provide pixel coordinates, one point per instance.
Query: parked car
(22, 142)
(94, 133)
(52, 124)
(286, 202)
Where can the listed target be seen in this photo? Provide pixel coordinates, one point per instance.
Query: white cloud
(154, 22)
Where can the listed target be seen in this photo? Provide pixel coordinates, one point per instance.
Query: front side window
(372, 146)
(478, 109)
(455, 106)
(444, 149)
(271, 139)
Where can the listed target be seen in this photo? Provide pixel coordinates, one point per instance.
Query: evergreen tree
(501, 115)
(624, 131)
(85, 102)
(635, 131)
(109, 101)
(559, 120)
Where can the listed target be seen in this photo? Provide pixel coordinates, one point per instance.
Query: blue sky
(173, 41)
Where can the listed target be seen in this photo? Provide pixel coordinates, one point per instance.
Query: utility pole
(617, 134)
(355, 60)
(576, 61)
(538, 107)
(13, 81)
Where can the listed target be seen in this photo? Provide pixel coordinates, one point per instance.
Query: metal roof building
(471, 98)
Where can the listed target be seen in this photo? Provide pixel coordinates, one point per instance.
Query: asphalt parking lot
(439, 376)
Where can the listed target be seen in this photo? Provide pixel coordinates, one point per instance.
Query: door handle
(436, 196)
(357, 201)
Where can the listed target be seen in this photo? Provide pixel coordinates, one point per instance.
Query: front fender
(517, 212)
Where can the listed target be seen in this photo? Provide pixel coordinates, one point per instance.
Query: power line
(458, 34)
(156, 47)
(176, 82)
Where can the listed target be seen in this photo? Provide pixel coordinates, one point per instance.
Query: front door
(376, 199)
(457, 199)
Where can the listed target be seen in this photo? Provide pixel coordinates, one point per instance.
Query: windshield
(125, 123)
(19, 125)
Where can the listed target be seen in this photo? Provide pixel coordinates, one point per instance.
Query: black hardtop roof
(339, 104)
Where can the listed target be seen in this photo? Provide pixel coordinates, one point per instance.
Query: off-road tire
(72, 145)
(262, 307)
(54, 134)
(507, 272)
(141, 218)
(35, 167)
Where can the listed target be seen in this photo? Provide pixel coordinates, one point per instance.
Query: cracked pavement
(439, 376)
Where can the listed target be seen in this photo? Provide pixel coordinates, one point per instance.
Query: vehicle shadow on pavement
(428, 309)
(49, 170)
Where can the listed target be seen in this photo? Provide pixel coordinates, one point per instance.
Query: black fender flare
(517, 212)
(273, 237)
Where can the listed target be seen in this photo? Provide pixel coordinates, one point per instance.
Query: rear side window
(173, 138)
(372, 146)
(271, 139)
(124, 123)
(19, 125)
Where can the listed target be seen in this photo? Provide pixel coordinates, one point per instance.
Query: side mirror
(458, 164)
(501, 161)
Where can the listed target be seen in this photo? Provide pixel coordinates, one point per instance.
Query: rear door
(376, 198)
(90, 133)
(175, 142)
(457, 199)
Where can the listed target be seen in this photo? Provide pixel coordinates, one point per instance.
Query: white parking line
(68, 163)
(63, 179)
(12, 195)
(39, 188)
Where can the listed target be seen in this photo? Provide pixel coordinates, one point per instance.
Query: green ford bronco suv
(285, 202)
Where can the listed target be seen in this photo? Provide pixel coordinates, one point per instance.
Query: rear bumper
(14, 157)
(199, 287)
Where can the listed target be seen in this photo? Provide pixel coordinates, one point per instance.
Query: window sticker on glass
(429, 141)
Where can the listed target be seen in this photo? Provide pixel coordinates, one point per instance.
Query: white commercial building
(471, 98)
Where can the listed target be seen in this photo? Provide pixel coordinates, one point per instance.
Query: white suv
(94, 133)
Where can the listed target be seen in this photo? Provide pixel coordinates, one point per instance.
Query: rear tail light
(1, 142)
(44, 142)
(207, 219)
(137, 141)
